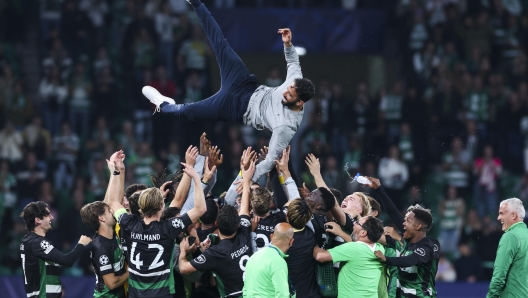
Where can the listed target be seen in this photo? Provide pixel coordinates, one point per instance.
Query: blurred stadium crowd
(451, 135)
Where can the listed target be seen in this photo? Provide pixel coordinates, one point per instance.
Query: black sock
(195, 3)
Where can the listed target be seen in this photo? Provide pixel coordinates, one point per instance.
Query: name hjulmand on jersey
(145, 237)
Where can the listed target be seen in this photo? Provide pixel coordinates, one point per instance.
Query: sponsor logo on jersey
(420, 251)
(200, 259)
(103, 260)
(46, 246)
(177, 223)
(245, 222)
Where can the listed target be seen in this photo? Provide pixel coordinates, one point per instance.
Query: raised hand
(205, 145)
(282, 164)
(247, 157)
(313, 164)
(165, 188)
(286, 36)
(208, 172)
(215, 158)
(190, 171)
(248, 174)
(113, 161)
(263, 153)
(190, 155)
(375, 183)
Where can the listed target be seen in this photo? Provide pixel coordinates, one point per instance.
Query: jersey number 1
(136, 261)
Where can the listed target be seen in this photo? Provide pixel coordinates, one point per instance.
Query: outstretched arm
(199, 198)
(381, 196)
(280, 139)
(246, 193)
(292, 59)
(315, 169)
(183, 188)
(116, 184)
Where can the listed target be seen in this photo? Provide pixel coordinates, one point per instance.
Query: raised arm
(292, 59)
(116, 185)
(199, 198)
(111, 166)
(381, 196)
(246, 193)
(280, 139)
(315, 169)
(183, 188)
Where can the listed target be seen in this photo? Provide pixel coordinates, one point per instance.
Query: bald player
(266, 270)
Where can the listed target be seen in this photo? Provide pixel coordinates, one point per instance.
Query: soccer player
(360, 276)
(417, 263)
(279, 109)
(108, 259)
(301, 264)
(150, 241)
(228, 258)
(417, 258)
(266, 270)
(40, 260)
(261, 201)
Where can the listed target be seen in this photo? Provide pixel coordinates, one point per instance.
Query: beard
(287, 103)
(354, 237)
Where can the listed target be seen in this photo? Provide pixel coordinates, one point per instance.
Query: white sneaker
(155, 97)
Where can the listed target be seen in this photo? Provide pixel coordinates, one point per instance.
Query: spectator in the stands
(456, 165)
(446, 271)
(11, 143)
(66, 147)
(394, 173)
(37, 139)
(451, 210)
(487, 170)
(80, 92)
(53, 93)
(29, 177)
(467, 265)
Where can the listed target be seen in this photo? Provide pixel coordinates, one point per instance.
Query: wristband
(117, 173)
(206, 183)
(240, 173)
(281, 179)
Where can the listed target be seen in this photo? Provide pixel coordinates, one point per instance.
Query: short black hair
(133, 204)
(34, 210)
(374, 228)
(170, 212)
(328, 198)
(209, 217)
(375, 206)
(305, 89)
(228, 220)
(337, 194)
(423, 215)
(132, 188)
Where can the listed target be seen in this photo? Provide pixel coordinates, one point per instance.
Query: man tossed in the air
(240, 99)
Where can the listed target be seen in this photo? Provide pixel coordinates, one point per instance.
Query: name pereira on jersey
(145, 237)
